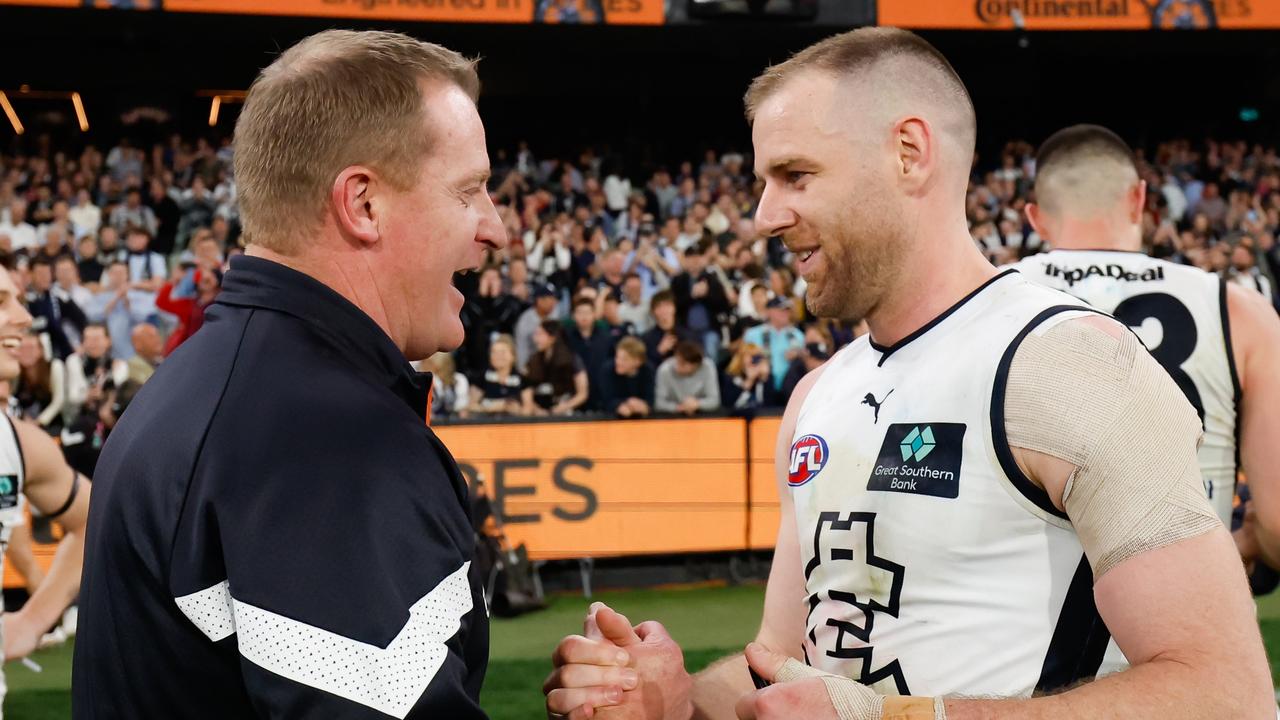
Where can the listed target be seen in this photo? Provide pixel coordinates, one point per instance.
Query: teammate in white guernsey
(968, 492)
(1219, 341)
(31, 465)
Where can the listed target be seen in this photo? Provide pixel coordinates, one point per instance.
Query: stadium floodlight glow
(26, 93)
(220, 97)
(80, 115)
(13, 116)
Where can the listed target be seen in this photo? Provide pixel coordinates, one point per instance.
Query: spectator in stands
(633, 308)
(490, 312)
(701, 301)
(748, 381)
(664, 334)
(196, 204)
(41, 385)
(686, 382)
(588, 337)
(167, 215)
(148, 352)
(85, 216)
(48, 311)
(120, 308)
(67, 288)
(186, 296)
(1244, 270)
(147, 269)
(60, 222)
(780, 339)
(110, 246)
(82, 441)
(817, 349)
(499, 391)
(54, 245)
(450, 391)
(133, 214)
(517, 283)
(611, 318)
(22, 234)
(556, 379)
(89, 268)
(91, 372)
(627, 381)
(655, 264)
(545, 307)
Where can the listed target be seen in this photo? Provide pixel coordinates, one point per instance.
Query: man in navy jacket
(279, 533)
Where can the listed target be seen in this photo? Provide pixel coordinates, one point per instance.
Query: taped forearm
(855, 701)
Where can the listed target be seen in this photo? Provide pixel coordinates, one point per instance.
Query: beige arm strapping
(1103, 404)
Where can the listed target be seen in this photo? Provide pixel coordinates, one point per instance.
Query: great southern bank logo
(917, 444)
(808, 456)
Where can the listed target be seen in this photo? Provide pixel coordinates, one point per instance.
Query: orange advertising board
(762, 523)
(613, 12)
(1080, 14)
(599, 489)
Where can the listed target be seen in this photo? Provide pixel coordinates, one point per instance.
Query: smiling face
(444, 223)
(14, 323)
(830, 194)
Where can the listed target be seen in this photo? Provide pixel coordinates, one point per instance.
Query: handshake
(617, 671)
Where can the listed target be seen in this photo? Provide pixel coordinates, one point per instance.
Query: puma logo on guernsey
(875, 404)
(1115, 272)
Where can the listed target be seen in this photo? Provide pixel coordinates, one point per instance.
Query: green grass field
(708, 623)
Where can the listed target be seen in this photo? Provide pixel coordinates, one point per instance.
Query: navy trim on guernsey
(1237, 394)
(999, 437)
(1094, 250)
(885, 352)
(1079, 639)
(71, 497)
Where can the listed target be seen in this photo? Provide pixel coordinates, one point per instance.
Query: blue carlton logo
(917, 444)
(6, 486)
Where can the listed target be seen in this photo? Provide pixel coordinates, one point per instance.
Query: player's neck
(938, 279)
(1096, 234)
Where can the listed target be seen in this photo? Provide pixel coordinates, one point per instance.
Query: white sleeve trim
(389, 680)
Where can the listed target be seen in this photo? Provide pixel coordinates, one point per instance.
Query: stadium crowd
(624, 295)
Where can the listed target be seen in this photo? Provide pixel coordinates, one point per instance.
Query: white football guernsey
(932, 565)
(1180, 314)
(12, 479)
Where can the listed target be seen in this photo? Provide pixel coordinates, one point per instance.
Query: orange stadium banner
(762, 520)
(610, 488)
(1080, 14)
(614, 12)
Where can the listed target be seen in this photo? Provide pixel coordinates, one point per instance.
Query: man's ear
(352, 203)
(917, 151)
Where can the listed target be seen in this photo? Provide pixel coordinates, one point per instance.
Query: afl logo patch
(808, 456)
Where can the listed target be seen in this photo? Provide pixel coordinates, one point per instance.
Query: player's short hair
(1083, 168)
(335, 99)
(690, 352)
(634, 347)
(859, 51)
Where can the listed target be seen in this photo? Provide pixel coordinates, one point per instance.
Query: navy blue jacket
(275, 532)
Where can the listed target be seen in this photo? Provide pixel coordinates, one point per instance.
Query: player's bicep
(52, 487)
(1157, 606)
(1255, 338)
